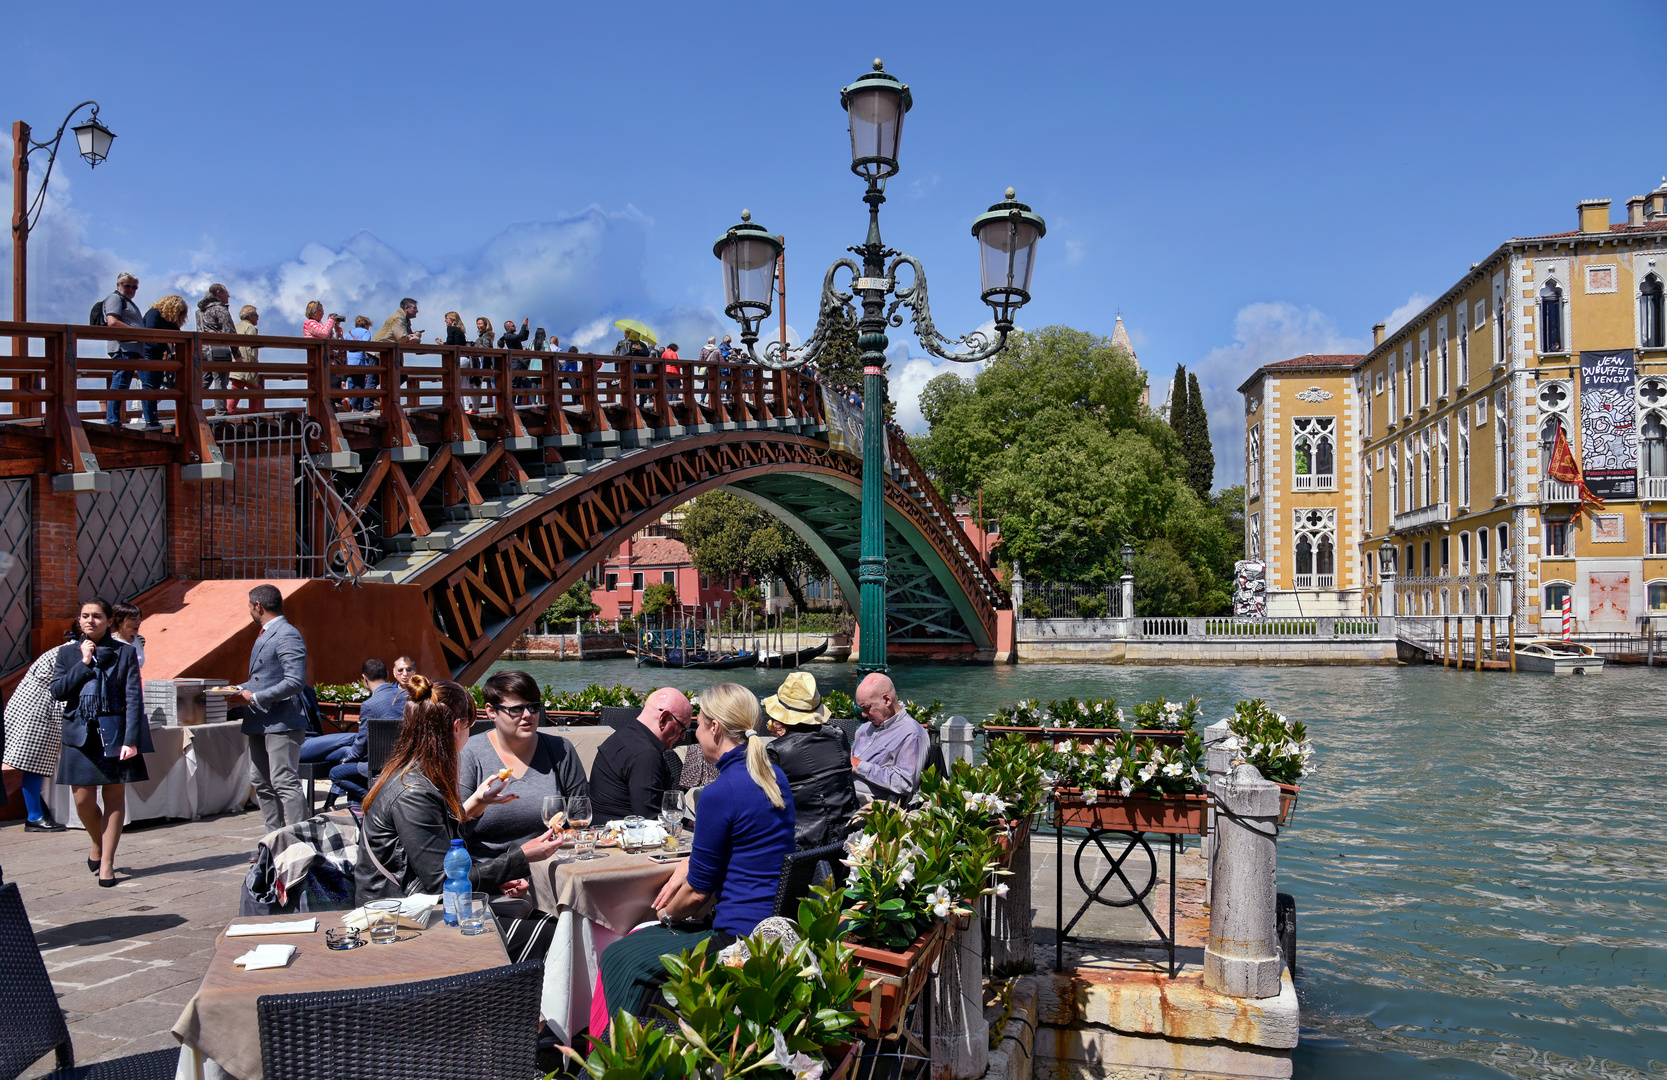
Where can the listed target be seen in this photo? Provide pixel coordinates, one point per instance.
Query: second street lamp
(1007, 235)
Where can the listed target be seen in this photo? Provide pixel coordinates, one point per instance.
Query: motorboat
(1557, 657)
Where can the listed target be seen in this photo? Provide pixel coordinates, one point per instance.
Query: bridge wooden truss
(493, 487)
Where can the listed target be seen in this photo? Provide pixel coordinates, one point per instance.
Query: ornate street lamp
(93, 139)
(1007, 235)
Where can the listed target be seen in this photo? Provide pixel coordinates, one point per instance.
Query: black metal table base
(1093, 894)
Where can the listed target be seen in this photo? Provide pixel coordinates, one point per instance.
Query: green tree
(1178, 403)
(658, 597)
(575, 603)
(726, 535)
(1201, 458)
(840, 364)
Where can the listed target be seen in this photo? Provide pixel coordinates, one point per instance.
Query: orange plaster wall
(202, 629)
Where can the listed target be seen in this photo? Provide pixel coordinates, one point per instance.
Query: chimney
(1635, 211)
(1377, 334)
(1594, 215)
(1656, 204)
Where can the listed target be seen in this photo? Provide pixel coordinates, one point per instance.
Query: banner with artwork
(1608, 425)
(1250, 589)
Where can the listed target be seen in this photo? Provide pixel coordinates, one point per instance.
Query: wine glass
(671, 816)
(579, 814)
(555, 812)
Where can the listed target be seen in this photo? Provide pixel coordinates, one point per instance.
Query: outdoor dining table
(596, 903)
(197, 771)
(219, 1031)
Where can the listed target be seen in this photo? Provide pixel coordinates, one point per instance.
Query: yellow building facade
(1455, 416)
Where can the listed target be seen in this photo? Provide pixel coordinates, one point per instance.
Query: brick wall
(57, 567)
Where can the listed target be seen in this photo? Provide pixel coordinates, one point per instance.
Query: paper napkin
(265, 956)
(300, 926)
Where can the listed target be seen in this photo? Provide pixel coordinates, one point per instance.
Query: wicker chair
(32, 1024)
(379, 743)
(798, 873)
(483, 1024)
(615, 715)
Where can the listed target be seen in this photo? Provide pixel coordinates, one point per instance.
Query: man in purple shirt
(889, 753)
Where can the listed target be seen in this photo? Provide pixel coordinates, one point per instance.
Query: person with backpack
(214, 316)
(118, 309)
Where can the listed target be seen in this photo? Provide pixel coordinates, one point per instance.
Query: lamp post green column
(871, 340)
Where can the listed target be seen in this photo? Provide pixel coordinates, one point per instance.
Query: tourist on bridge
(414, 812)
(397, 327)
(889, 753)
(629, 773)
(816, 758)
(513, 339)
(543, 764)
(105, 733)
(120, 310)
(214, 316)
(454, 331)
(360, 331)
(167, 313)
(275, 719)
(248, 322)
(742, 834)
(34, 736)
(315, 325)
(541, 341)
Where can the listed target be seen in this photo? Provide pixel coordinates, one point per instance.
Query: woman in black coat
(105, 733)
(816, 756)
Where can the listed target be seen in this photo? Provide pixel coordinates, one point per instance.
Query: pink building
(650, 560)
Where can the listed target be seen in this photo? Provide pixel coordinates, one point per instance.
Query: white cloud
(66, 275)
(909, 376)
(1262, 334)
(1075, 252)
(1398, 318)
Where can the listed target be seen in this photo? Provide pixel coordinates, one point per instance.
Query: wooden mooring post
(1446, 639)
(1478, 643)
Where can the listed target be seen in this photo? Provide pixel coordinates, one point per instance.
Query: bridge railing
(1325, 627)
(57, 378)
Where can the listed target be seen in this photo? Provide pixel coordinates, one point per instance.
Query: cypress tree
(1201, 458)
(1178, 404)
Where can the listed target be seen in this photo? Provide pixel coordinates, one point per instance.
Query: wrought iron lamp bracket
(38, 203)
(836, 315)
(913, 296)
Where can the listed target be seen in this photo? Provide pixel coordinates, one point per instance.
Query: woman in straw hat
(816, 757)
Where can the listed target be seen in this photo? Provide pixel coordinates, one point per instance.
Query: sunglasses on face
(518, 711)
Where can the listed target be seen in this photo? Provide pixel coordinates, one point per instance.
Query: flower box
(337, 717)
(847, 1056)
(1013, 834)
(571, 717)
(1055, 734)
(891, 980)
(1288, 794)
(1181, 815)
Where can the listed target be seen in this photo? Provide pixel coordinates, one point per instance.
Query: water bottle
(457, 880)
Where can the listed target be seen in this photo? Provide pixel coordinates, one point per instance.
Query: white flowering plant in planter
(1279, 747)
(1065, 713)
(1162, 715)
(1129, 767)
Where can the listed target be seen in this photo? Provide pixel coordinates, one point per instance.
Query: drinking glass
(555, 812)
(383, 917)
(579, 814)
(671, 817)
(472, 912)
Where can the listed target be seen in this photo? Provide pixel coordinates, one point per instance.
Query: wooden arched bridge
(461, 476)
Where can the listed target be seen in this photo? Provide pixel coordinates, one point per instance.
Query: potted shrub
(1279, 748)
(1131, 784)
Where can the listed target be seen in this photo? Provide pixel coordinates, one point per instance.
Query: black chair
(311, 773)
(849, 726)
(379, 743)
(482, 1024)
(32, 1023)
(615, 715)
(934, 759)
(798, 873)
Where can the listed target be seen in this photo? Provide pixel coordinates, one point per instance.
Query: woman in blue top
(743, 833)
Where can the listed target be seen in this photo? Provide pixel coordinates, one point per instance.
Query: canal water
(1477, 863)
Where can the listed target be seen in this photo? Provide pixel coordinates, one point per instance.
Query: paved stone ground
(125, 960)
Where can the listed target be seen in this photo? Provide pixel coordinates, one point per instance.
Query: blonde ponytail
(733, 709)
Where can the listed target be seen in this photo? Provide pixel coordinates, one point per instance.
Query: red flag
(1565, 469)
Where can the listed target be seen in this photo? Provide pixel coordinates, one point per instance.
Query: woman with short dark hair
(542, 763)
(105, 732)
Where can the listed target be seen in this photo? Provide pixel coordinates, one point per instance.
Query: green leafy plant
(1127, 766)
(1161, 715)
(1017, 769)
(658, 597)
(1035, 608)
(840, 706)
(575, 603)
(591, 698)
(1091, 607)
(1279, 748)
(341, 693)
(1065, 713)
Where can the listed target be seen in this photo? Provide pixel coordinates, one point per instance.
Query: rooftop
(1306, 362)
(658, 551)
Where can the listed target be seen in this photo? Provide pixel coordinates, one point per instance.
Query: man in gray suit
(276, 716)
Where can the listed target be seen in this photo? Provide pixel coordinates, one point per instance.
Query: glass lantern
(748, 254)
(1007, 234)
(876, 104)
(94, 139)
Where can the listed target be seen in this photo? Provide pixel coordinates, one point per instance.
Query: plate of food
(224, 690)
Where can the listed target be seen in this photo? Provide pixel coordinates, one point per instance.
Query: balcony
(1315, 581)
(1314, 482)
(1434, 514)
(1652, 487)
(1555, 491)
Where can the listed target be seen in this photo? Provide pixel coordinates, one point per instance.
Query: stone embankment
(566, 647)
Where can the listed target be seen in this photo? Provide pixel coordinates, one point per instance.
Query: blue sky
(1245, 182)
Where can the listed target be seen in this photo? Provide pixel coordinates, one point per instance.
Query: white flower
(1127, 786)
(1110, 774)
(940, 901)
(1119, 716)
(1173, 769)
(1001, 890)
(1148, 772)
(1091, 796)
(802, 1066)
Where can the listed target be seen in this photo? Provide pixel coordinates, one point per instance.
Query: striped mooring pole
(1568, 618)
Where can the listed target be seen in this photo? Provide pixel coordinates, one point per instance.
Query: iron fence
(1069, 600)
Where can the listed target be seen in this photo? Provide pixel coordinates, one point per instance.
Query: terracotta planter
(337, 717)
(1013, 834)
(1288, 794)
(573, 717)
(1181, 815)
(846, 1056)
(891, 980)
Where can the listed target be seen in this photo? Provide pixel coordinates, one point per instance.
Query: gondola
(793, 659)
(697, 658)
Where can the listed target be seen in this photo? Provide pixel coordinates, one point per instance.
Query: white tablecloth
(187, 780)
(570, 972)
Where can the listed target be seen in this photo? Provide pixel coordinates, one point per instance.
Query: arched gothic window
(1314, 452)
(1551, 318)
(1652, 321)
(1482, 600)
(1315, 538)
(1652, 447)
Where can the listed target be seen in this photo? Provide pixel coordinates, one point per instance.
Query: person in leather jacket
(816, 756)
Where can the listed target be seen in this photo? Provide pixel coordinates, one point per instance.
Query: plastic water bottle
(457, 880)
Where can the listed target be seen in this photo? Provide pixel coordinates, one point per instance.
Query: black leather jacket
(817, 762)
(409, 828)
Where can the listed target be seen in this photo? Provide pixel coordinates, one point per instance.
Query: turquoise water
(1477, 863)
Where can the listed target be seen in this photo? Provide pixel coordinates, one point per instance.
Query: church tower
(1120, 338)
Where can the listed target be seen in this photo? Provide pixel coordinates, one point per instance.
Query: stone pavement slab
(124, 961)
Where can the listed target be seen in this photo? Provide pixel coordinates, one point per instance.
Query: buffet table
(196, 771)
